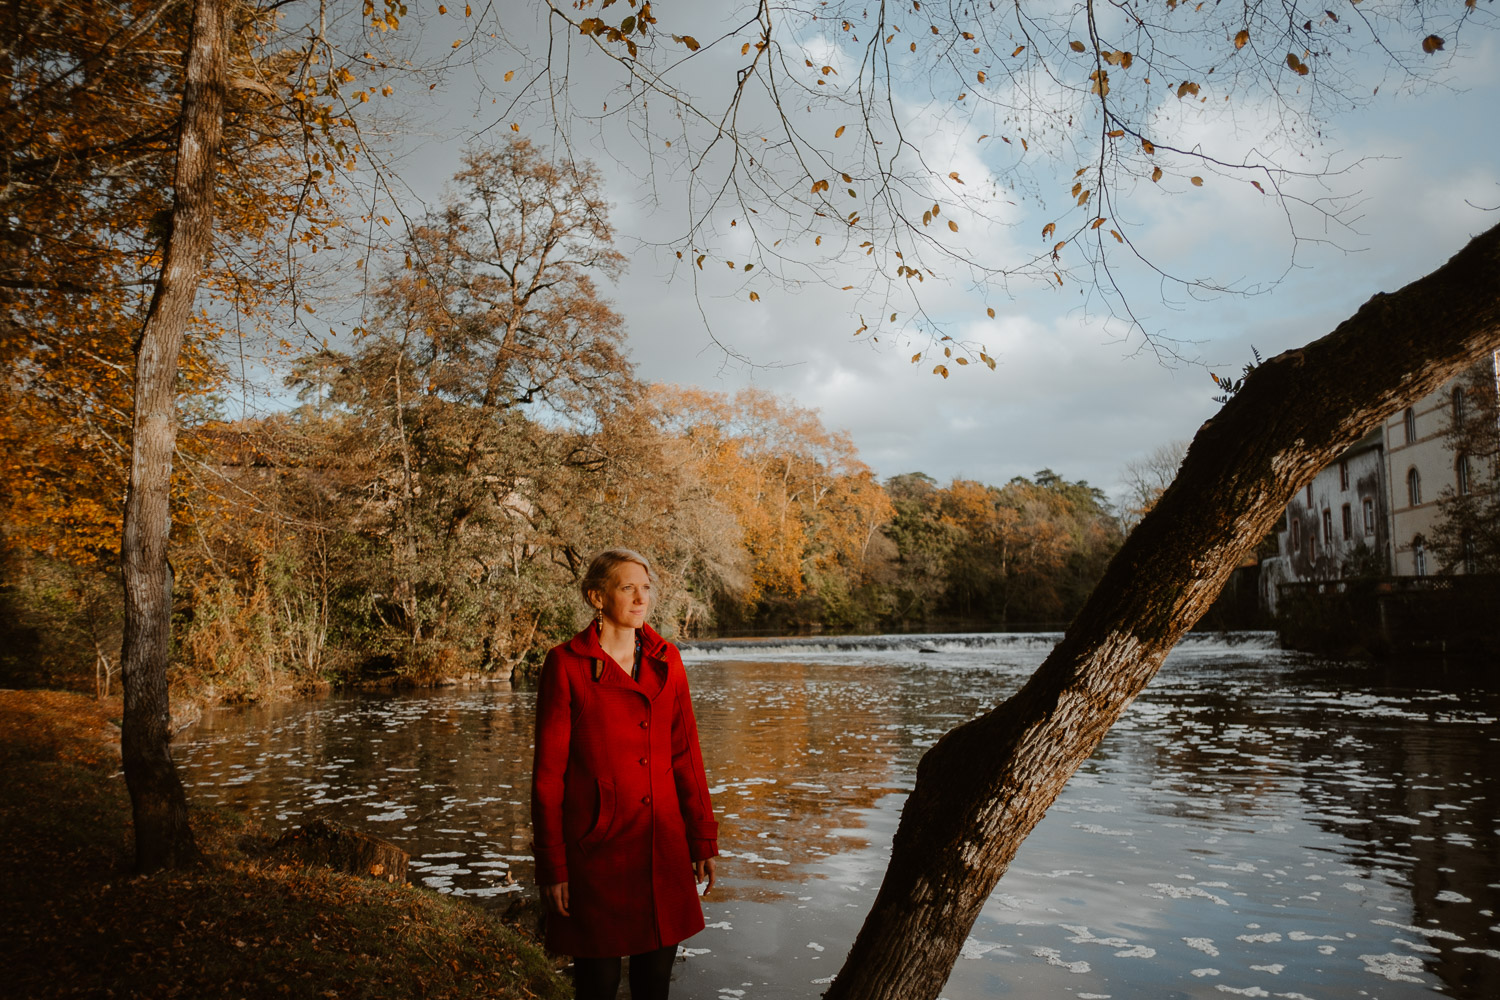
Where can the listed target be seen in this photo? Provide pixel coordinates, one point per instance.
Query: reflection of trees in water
(794, 752)
(1405, 774)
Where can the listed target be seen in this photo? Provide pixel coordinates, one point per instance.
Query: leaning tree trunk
(162, 835)
(983, 787)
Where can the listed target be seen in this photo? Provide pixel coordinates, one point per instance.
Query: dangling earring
(599, 619)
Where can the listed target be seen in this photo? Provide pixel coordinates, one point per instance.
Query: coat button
(645, 761)
(645, 800)
(645, 724)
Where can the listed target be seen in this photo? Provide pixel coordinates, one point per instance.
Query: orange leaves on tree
(1432, 43)
(1241, 39)
(1297, 65)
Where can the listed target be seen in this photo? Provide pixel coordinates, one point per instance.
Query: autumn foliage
(425, 510)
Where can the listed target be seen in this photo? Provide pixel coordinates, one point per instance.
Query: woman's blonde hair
(602, 569)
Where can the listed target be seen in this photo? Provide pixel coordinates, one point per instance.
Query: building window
(1470, 557)
(1410, 420)
(1348, 523)
(1368, 508)
(1458, 406)
(1343, 475)
(1413, 486)
(1296, 534)
(1309, 496)
(1327, 527)
(1419, 556)
(1461, 470)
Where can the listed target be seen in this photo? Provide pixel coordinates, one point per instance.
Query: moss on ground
(74, 922)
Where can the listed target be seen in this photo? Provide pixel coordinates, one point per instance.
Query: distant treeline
(372, 533)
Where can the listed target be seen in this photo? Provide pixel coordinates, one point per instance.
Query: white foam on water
(1396, 968)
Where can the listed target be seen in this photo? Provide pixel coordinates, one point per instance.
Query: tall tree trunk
(162, 835)
(983, 787)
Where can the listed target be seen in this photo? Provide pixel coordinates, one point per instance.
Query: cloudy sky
(1416, 174)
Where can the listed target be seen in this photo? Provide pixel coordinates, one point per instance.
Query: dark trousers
(650, 975)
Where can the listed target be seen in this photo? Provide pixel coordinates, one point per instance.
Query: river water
(1259, 823)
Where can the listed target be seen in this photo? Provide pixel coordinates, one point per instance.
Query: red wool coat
(619, 800)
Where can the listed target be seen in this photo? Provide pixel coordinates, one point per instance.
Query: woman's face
(627, 598)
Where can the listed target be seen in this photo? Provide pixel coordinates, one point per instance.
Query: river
(1260, 823)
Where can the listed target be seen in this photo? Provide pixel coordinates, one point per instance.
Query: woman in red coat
(619, 801)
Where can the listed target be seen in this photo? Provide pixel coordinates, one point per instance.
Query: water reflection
(1258, 824)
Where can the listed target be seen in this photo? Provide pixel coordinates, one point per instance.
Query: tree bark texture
(983, 787)
(162, 835)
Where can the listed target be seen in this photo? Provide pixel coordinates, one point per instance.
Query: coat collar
(653, 646)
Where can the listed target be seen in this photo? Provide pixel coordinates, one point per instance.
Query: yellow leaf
(1431, 44)
(442, 9)
(1049, 229)
(1241, 39)
(690, 42)
(1256, 185)
(1196, 181)
(962, 361)
(893, 317)
(941, 370)
(1156, 174)
(1076, 45)
(953, 225)
(981, 76)
(701, 258)
(514, 127)
(1115, 133)
(1187, 87)
(754, 297)
(838, 131)
(468, 11)
(1147, 147)
(1097, 222)
(1056, 249)
(915, 358)
(1019, 50)
(1117, 236)
(991, 312)
(458, 43)
(953, 176)
(510, 75)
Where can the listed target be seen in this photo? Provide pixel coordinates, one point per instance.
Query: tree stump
(324, 842)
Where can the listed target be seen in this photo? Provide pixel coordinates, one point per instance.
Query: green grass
(75, 923)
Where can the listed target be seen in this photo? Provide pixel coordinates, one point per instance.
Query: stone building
(1372, 512)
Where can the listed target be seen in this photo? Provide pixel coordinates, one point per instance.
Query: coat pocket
(605, 818)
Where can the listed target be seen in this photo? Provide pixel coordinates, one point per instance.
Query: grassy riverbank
(75, 922)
